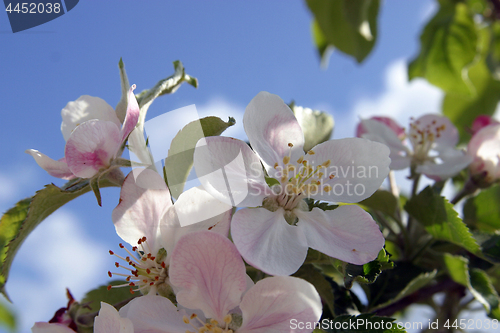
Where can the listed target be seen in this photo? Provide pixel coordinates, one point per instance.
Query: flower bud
(482, 121)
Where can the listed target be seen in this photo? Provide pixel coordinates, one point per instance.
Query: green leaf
(136, 141)
(440, 219)
(448, 45)
(392, 283)
(179, 162)
(417, 283)
(7, 318)
(493, 58)
(349, 26)
(366, 273)
(491, 249)
(382, 201)
(18, 222)
(483, 211)
(121, 107)
(321, 43)
(364, 323)
(317, 126)
(318, 280)
(476, 280)
(91, 303)
(463, 109)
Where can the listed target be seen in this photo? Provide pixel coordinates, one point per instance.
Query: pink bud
(482, 121)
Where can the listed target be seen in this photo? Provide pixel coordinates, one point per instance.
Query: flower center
(149, 272)
(211, 326)
(300, 179)
(423, 138)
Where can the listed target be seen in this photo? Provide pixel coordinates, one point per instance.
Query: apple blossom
(275, 237)
(94, 137)
(210, 279)
(433, 139)
(484, 148)
(146, 219)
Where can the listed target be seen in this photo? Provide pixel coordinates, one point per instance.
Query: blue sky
(234, 48)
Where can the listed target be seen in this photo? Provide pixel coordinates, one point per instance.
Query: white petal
(273, 303)
(83, 109)
(194, 205)
(359, 167)
(143, 202)
(209, 272)
(379, 132)
(453, 161)
(347, 233)
(230, 171)
(91, 147)
(109, 321)
(54, 168)
(266, 241)
(153, 313)
(270, 126)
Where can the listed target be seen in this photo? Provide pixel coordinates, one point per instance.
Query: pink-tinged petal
(389, 122)
(380, 132)
(347, 233)
(277, 304)
(270, 126)
(230, 171)
(266, 241)
(482, 121)
(91, 147)
(357, 169)
(54, 168)
(43, 327)
(83, 109)
(445, 134)
(452, 162)
(153, 313)
(109, 321)
(143, 202)
(132, 115)
(209, 272)
(484, 148)
(195, 210)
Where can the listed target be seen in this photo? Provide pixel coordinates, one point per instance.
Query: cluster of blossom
(191, 275)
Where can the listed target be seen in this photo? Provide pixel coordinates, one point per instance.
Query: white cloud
(14, 181)
(56, 255)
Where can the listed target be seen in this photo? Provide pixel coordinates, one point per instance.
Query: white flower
(275, 238)
(433, 139)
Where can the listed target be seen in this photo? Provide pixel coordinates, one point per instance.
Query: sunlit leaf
(448, 45)
(349, 26)
(463, 109)
(179, 162)
(7, 318)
